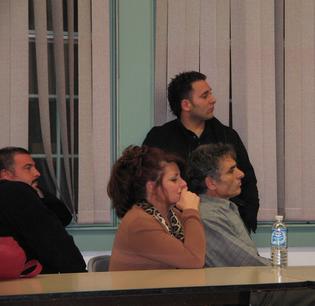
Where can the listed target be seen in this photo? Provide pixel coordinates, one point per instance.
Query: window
(70, 120)
(35, 135)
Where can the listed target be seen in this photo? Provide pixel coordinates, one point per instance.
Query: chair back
(99, 263)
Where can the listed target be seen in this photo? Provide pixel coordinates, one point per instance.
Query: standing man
(191, 100)
(34, 220)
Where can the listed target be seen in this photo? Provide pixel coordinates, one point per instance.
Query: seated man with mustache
(35, 219)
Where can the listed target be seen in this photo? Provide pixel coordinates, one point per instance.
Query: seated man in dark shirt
(192, 101)
(34, 218)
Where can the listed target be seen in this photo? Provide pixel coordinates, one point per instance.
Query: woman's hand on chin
(188, 200)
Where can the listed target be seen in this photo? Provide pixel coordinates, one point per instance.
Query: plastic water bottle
(279, 243)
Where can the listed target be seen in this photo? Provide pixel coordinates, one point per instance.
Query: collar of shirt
(208, 132)
(219, 201)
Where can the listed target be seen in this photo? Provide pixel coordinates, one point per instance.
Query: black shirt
(174, 137)
(37, 229)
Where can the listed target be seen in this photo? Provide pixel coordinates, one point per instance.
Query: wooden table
(301, 272)
(230, 285)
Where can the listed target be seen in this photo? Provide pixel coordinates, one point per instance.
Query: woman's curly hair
(131, 172)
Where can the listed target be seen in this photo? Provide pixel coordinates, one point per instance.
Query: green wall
(99, 237)
(299, 234)
(135, 71)
(135, 79)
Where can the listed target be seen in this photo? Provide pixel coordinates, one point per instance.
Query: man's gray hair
(203, 162)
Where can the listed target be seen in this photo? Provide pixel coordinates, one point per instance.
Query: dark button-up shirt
(174, 137)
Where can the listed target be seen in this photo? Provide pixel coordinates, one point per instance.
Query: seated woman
(145, 185)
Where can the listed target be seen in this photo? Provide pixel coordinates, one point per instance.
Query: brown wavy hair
(131, 172)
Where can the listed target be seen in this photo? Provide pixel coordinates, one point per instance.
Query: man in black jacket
(192, 102)
(33, 218)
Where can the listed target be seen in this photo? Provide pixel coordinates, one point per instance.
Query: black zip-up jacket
(174, 137)
(37, 229)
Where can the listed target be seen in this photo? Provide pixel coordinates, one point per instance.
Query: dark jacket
(37, 229)
(58, 207)
(174, 137)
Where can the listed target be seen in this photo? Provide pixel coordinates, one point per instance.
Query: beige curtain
(59, 58)
(200, 35)
(94, 111)
(40, 20)
(215, 52)
(14, 73)
(192, 35)
(253, 92)
(41, 41)
(299, 109)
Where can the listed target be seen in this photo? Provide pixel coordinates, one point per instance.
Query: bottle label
(279, 237)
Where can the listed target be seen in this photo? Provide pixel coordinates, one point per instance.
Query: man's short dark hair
(180, 88)
(203, 162)
(7, 157)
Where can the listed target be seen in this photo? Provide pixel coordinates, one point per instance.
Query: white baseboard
(297, 256)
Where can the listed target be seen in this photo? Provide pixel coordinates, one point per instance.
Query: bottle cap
(279, 218)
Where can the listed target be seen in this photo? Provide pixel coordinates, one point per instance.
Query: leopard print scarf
(175, 229)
